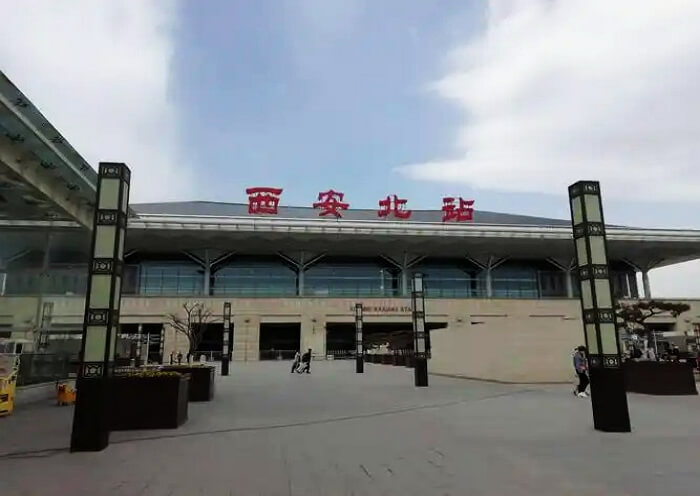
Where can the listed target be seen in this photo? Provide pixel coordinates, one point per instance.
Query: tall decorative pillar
(419, 342)
(225, 350)
(139, 346)
(161, 345)
(102, 301)
(359, 347)
(608, 395)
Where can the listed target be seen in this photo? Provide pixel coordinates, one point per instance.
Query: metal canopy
(642, 248)
(41, 174)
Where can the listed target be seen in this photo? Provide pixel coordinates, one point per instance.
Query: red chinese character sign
(263, 200)
(331, 203)
(392, 204)
(457, 209)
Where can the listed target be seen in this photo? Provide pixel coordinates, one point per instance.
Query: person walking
(295, 363)
(306, 362)
(581, 367)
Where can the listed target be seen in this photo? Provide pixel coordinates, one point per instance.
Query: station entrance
(279, 341)
(340, 336)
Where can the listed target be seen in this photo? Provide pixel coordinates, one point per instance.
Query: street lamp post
(102, 301)
(608, 395)
(359, 345)
(419, 348)
(225, 349)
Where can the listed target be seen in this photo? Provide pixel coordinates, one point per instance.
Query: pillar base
(609, 400)
(91, 416)
(359, 365)
(420, 370)
(224, 366)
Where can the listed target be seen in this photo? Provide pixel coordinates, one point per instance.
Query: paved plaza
(334, 432)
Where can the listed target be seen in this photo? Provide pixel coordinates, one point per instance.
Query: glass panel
(602, 293)
(576, 208)
(420, 343)
(598, 256)
(117, 292)
(350, 278)
(100, 291)
(608, 339)
(95, 341)
(122, 239)
(591, 337)
(592, 208)
(170, 279)
(515, 281)
(586, 294)
(125, 199)
(255, 278)
(109, 194)
(104, 241)
(581, 251)
(112, 344)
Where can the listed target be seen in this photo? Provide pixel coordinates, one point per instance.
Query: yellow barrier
(9, 366)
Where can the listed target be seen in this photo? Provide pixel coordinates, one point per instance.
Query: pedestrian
(581, 367)
(295, 363)
(306, 362)
(172, 354)
(179, 358)
(651, 356)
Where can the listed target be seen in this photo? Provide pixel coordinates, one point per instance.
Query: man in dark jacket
(306, 362)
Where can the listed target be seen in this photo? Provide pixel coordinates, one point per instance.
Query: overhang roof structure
(184, 226)
(42, 177)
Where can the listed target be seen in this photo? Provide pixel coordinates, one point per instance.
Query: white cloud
(681, 281)
(558, 90)
(99, 71)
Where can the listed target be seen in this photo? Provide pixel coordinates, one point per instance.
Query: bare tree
(193, 323)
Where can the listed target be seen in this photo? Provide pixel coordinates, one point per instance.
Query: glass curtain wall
(450, 280)
(255, 277)
(345, 277)
(170, 278)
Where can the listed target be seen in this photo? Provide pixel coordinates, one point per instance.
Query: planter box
(201, 381)
(660, 378)
(400, 360)
(148, 402)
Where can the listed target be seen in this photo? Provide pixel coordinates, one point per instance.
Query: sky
(506, 102)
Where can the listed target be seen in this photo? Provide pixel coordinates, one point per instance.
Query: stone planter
(660, 378)
(148, 402)
(201, 381)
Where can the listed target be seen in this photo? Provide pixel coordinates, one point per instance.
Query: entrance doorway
(279, 341)
(340, 336)
(212, 343)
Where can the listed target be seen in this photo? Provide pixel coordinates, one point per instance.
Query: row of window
(333, 280)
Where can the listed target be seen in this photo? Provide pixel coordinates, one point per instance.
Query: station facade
(494, 281)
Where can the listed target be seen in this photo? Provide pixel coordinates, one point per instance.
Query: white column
(628, 288)
(569, 284)
(3, 277)
(300, 279)
(647, 285)
(207, 273)
(489, 285)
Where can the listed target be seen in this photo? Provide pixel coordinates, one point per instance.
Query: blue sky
(271, 94)
(502, 101)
